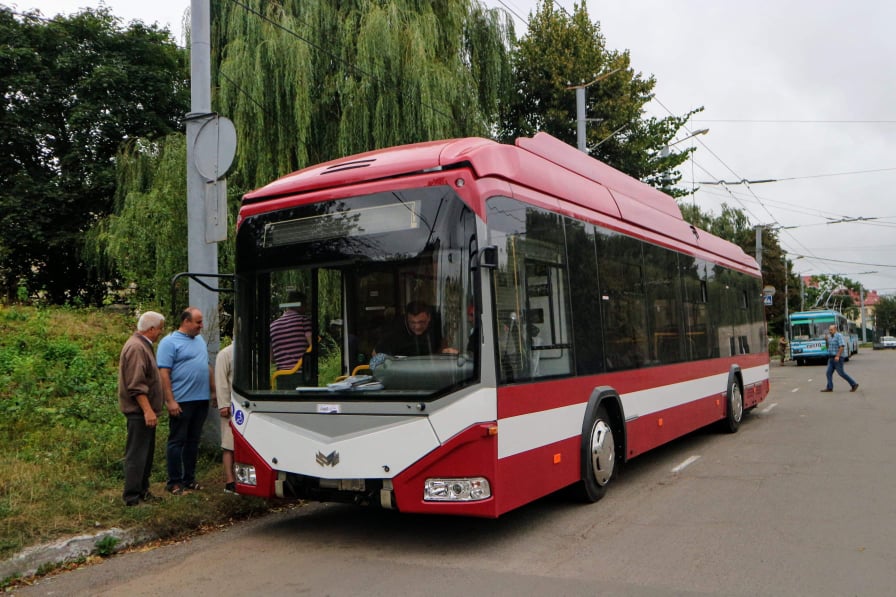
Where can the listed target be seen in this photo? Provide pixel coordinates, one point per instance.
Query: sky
(800, 92)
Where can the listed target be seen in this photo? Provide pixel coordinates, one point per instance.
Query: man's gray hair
(150, 319)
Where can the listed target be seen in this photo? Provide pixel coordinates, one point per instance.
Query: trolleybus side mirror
(486, 258)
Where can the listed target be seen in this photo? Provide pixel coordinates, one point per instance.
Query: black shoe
(827, 390)
(130, 503)
(854, 388)
(230, 487)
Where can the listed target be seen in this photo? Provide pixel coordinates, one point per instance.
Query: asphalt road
(799, 502)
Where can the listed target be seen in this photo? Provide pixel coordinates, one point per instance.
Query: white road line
(794, 390)
(768, 408)
(685, 464)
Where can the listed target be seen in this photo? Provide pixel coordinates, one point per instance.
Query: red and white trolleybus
(575, 321)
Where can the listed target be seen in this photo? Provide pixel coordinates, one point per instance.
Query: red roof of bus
(615, 194)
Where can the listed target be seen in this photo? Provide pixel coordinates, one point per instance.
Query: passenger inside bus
(291, 332)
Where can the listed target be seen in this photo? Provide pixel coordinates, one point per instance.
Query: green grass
(62, 437)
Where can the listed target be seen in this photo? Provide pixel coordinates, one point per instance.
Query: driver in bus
(416, 337)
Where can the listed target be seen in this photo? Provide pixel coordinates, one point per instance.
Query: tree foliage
(142, 245)
(307, 82)
(885, 316)
(74, 89)
(560, 51)
(832, 292)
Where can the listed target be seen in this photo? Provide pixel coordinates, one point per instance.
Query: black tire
(799, 362)
(734, 411)
(598, 457)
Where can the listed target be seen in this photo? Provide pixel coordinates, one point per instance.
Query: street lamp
(665, 150)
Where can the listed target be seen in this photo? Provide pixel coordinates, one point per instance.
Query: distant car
(888, 341)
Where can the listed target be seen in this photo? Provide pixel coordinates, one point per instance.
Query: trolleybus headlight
(245, 474)
(456, 490)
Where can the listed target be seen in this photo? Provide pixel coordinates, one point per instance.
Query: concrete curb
(29, 561)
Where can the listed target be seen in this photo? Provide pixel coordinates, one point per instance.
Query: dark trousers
(183, 442)
(838, 367)
(138, 456)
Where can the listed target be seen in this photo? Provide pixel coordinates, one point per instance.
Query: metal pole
(581, 111)
(201, 256)
(802, 295)
(580, 119)
(862, 303)
(786, 300)
(759, 246)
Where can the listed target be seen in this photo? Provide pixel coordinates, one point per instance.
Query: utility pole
(201, 255)
(862, 312)
(581, 116)
(211, 145)
(786, 301)
(802, 295)
(759, 246)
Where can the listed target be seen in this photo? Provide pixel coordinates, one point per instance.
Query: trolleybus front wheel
(735, 410)
(598, 457)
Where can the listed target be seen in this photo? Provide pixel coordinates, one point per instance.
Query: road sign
(767, 300)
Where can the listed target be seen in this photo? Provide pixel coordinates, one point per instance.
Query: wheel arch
(608, 397)
(735, 375)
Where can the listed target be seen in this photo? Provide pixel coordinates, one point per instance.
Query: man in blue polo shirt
(836, 355)
(188, 385)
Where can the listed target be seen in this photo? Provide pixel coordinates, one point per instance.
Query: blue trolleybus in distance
(808, 331)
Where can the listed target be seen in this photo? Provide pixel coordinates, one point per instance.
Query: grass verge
(62, 437)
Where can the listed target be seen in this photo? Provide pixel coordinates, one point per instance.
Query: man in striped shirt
(291, 332)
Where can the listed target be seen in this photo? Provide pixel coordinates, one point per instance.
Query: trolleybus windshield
(380, 283)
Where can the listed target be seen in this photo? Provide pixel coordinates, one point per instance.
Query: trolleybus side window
(695, 308)
(664, 301)
(531, 296)
(622, 293)
(586, 297)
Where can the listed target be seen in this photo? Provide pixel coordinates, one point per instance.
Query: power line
(844, 261)
(721, 161)
(765, 180)
(773, 121)
(799, 209)
(513, 12)
(835, 174)
(525, 21)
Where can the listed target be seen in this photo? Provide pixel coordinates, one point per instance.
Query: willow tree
(560, 51)
(304, 82)
(309, 81)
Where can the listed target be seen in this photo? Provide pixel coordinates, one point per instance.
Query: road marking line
(794, 390)
(769, 408)
(685, 464)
